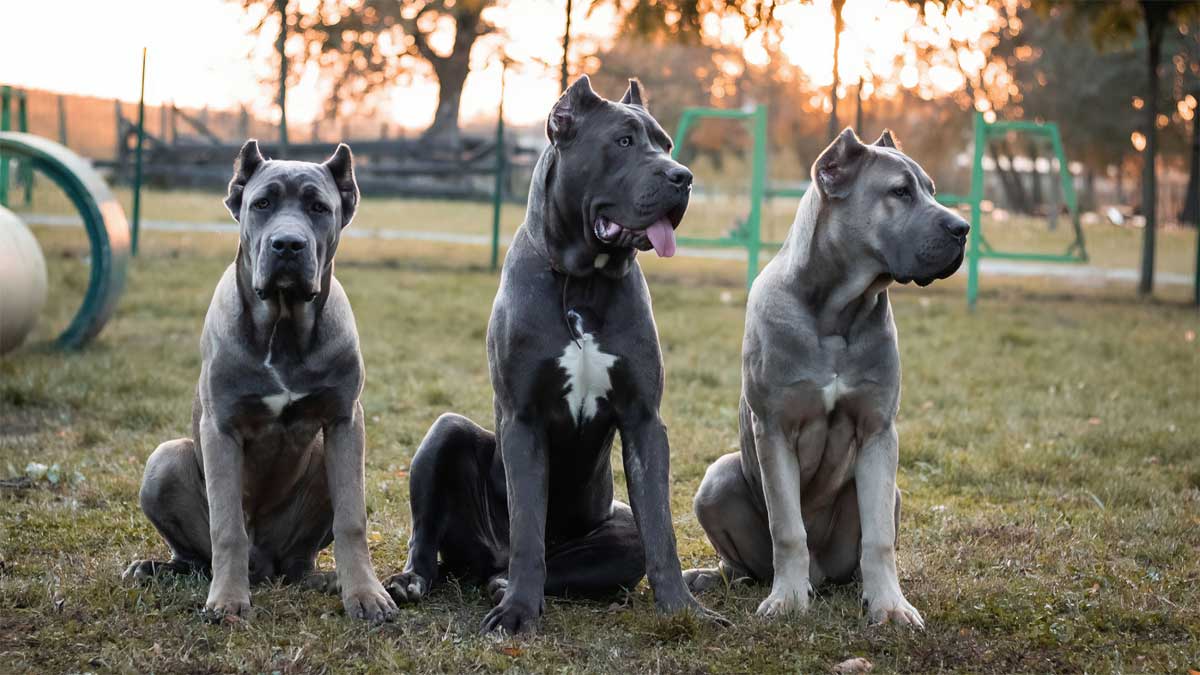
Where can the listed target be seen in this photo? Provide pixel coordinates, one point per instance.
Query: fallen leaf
(855, 665)
(511, 651)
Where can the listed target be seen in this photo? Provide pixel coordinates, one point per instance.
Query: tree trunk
(444, 130)
(1155, 16)
(1191, 199)
(1037, 199)
(1014, 190)
(838, 25)
(451, 72)
(565, 74)
(1089, 190)
(858, 112)
(281, 47)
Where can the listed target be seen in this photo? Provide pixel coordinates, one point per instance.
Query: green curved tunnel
(107, 228)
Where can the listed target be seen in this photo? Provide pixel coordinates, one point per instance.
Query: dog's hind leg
(602, 562)
(736, 525)
(173, 498)
(458, 508)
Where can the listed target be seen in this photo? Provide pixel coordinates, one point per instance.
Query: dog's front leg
(647, 458)
(221, 453)
(362, 594)
(523, 448)
(780, 469)
(875, 479)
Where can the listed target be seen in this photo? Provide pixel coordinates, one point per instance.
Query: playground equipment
(14, 109)
(23, 278)
(107, 228)
(747, 235)
(978, 247)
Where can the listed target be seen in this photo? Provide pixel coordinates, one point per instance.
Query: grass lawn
(1050, 459)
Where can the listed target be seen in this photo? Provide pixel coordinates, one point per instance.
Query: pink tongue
(662, 238)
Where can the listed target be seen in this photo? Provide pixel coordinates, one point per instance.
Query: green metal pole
(975, 198)
(137, 161)
(24, 167)
(497, 191)
(758, 184)
(62, 120)
(5, 123)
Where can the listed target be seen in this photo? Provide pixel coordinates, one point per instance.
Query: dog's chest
(587, 369)
(276, 403)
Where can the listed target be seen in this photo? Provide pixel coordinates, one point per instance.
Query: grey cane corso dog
(574, 359)
(273, 471)
(812, 496)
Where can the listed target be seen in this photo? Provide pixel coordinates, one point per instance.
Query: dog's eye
(318, 207)
(625, 141)
(261, 203)
(901, 192)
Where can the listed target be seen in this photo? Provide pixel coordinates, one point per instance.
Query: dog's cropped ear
(633, 95)
(835, 169)
(341, 167)
(885, 140)
(564, 117)
(248, 161)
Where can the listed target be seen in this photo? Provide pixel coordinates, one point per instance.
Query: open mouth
(660, 235)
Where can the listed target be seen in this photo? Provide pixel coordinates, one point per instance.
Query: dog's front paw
(890, 607)
(370, 602)
(223, 603)
(784, 600)
(512, 617)
(407, 586)
(142, 570)
(686, 602)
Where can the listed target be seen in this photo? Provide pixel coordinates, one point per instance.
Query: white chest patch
(831, 392)
(277, 402)
(587, 377)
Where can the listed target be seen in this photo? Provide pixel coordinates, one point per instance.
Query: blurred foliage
(365, 46)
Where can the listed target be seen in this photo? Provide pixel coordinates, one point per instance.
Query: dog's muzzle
(287, 265)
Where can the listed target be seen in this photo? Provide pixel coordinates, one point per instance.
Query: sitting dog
(274, 470)
(812, 496)
(574, 359)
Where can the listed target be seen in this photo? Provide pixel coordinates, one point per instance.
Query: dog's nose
(957, 227)
(679, 176)
(287, 245)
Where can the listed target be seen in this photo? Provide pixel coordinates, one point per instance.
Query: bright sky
(203, 55)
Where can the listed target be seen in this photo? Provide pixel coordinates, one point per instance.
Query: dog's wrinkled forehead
(893, 165)
(286, 178)
(615, 118)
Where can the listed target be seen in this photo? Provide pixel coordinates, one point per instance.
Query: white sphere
(22, 281)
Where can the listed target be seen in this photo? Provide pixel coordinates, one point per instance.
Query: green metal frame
(107, 228)
(8, 97)
(978, 248)
(748, 234)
